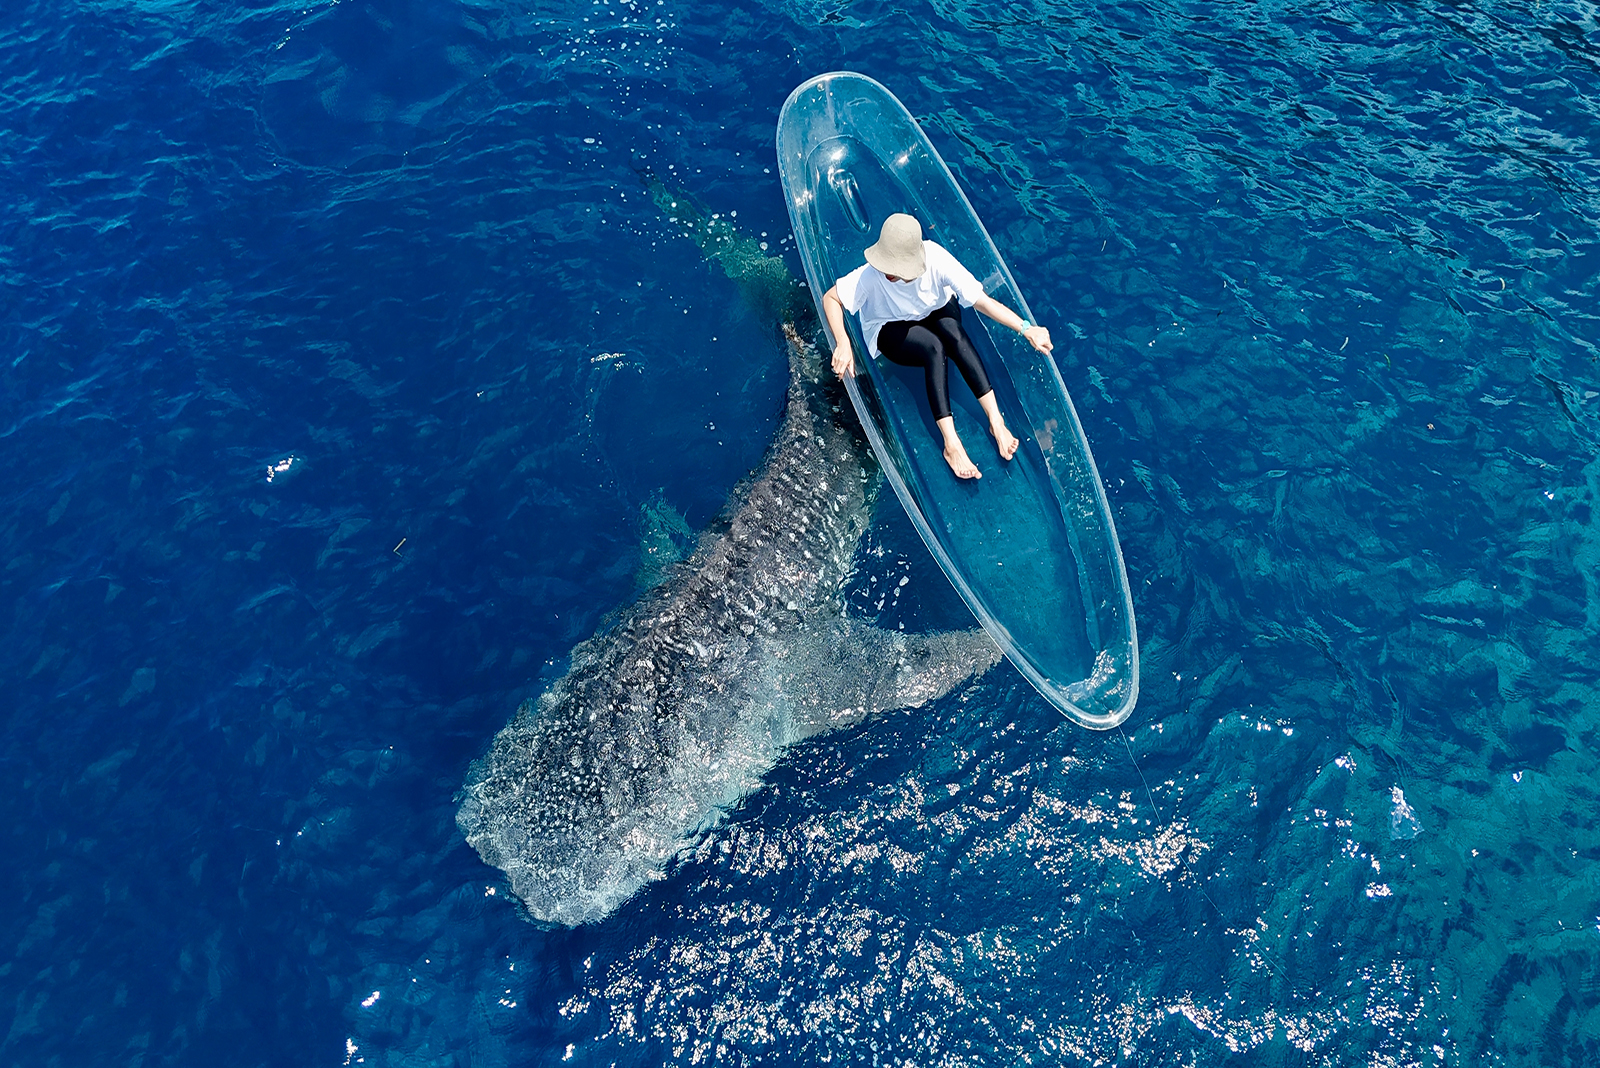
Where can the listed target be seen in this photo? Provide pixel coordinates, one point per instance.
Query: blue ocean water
(1322, 281)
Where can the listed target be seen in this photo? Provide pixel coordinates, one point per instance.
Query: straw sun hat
(899, 248)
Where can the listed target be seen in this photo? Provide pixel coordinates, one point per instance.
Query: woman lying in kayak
(909, 295)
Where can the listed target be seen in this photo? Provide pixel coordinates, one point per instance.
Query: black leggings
(931, 344)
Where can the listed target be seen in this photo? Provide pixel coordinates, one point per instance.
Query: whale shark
(671, 715)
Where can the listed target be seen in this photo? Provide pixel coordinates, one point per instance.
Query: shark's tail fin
(764, 279)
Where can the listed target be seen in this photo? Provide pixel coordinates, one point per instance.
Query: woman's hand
(844, 359)
(1039, 338)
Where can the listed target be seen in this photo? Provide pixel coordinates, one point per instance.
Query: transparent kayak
(1030, 546)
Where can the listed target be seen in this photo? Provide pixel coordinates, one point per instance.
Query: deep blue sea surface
(1322, 278)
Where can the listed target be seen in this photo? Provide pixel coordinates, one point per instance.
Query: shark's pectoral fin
(836, 674)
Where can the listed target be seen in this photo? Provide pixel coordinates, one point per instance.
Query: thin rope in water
(1199, 883)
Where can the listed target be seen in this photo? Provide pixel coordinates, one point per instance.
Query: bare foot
(1004, 439)
(955, 454)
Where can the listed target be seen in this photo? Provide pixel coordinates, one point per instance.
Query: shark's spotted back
(678, 710)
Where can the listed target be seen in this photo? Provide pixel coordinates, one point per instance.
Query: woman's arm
(844, 360)
(1037, 336)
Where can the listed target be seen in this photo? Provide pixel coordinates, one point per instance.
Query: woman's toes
(960, 463)
(1005, 441)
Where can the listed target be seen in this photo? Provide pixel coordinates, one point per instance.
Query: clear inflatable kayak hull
(1030, 547)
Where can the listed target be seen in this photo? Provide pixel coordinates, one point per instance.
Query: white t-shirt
(867, 292)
